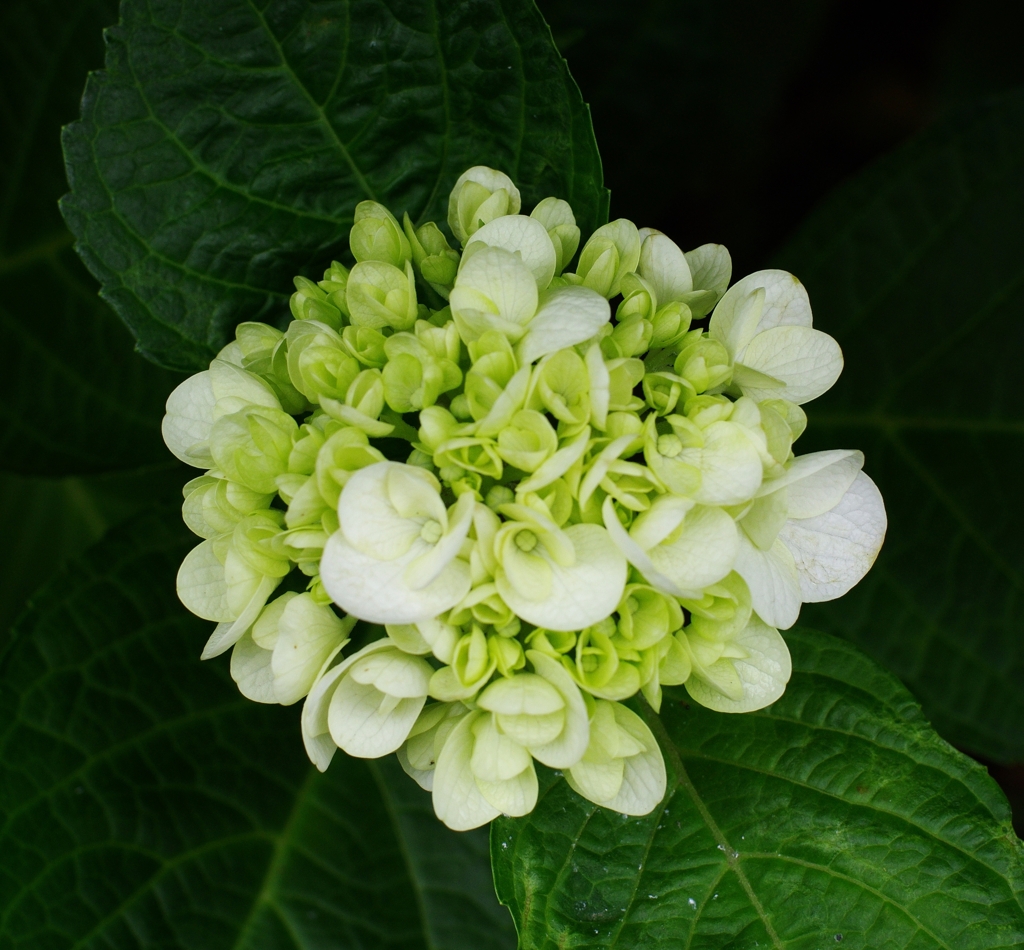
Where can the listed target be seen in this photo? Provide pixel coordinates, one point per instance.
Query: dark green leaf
(916, 267)
(225, 145)
(145, 803)
(50, 520)
(73, 398)
(835, 815)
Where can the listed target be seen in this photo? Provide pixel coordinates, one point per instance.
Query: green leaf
(835, 815)
(73, 397)
(144, 802)
(47, 521)
(224, 147)
(916, 268)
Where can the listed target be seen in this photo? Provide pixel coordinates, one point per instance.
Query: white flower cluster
(548, 509)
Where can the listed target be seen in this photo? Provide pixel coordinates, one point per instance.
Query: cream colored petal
(569, 747)
(521, 235)
(250, 669)
(567, 316)
(764, 672)
(458, 801)
(807, 361)
(773, 580)
(703, 553)
(833, 551)
(663, 265)
(189, 419)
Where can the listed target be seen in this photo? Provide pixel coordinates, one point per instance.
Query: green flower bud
(553, 643)
(624, 375)
(794, 416)
(470, 453)
(255, 541)
(346, 451)
(507, 653)
(557, 217)
(612, 252)
(646, 616)
(305, 547)
(426, 740)
(309, 302)
(213, 506)
(704, 363)
(670, 324)
(598, 668)
(494, 365)
(667, 663)
(471, 667)
(334, 285)
(264, 353)
(381, 295)
(663, 391)
(377, 236)
(561, 385)
(638, 299)
(480, 195)
(414, 376)
(527, 441)
(252, 446)
(366, 345)
(436, 261)
(631, 337)
(312, 435)
(319, 365)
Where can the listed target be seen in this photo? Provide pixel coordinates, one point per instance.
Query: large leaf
(917, 268)
(835, 815)
(47, 521)
(225, 145)
(144, 802)
(73, 398)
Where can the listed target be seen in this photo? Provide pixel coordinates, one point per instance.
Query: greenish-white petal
(773, 580)
(834, 550)
(189, 419)
(567, 316)
(458, 801)
(806, 360)
(764, 671)
(521, 235)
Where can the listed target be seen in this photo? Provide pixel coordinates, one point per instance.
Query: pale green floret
(612, 252)
(560, 223)
(377, 236)
(434, 258)
(480, 195)
(382, 295)
(278, 660)
(590, 507)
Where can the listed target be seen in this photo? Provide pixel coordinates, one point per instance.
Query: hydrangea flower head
(555, 488)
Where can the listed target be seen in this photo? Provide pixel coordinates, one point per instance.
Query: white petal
(369, 519)
(764, 672)
(428, 567)
(250, 669)
(189, 419)
(236, 388)
(569, 747)
(663, 265)
(376, 590)
(785, 304)
(597, 782)
(803, 466)
(703, 553)
(423, 777)
(316, 736)
(567, 316)
(359, 727)
(515, 796)
(457, 799)
(228, 633)
(773, 581)
(638, 557)
(307, 633)
(643, 780)
(521, 235)
(807, 361)
(729, 463)
(201, 585)
(492, 282)
(833, 551)
(582, 594)
(710, 267)
(821, 490)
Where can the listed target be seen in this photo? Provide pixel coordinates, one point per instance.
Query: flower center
(431, 531)
(526, 541)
